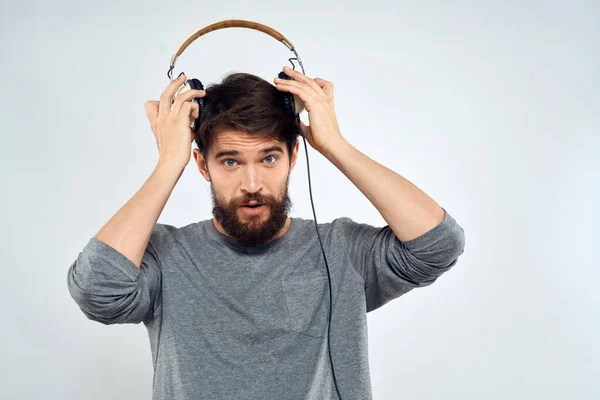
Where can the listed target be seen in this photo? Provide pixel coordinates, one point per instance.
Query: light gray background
(490, 107)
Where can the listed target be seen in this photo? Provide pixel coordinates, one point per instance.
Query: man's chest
(248, 299)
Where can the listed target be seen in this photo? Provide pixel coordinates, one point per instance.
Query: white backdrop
(492, 108)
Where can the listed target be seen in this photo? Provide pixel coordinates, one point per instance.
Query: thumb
(151, 107)
(305, 129)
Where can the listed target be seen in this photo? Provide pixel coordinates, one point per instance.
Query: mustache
(247, 198)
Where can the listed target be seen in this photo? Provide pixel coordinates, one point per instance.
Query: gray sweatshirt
(232, 321)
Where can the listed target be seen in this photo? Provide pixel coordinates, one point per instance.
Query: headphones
(292, 104)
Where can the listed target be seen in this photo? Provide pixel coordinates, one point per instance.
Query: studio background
(492, 108)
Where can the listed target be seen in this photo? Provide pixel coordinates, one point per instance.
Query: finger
(151, 107)
(300, 77)
(190, 94)
(299, 90)
(188, 108)
(326, 86)
(195, 111)
(185, 96)
(316, 93)
(166, 98)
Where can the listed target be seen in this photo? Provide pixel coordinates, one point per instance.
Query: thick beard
(253, 231)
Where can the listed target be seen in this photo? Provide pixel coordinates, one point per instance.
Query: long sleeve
(110, 289)
(391, 267)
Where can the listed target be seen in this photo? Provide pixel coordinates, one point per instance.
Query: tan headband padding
(230, 23)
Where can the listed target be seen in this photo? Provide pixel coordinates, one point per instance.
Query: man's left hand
(317, 95)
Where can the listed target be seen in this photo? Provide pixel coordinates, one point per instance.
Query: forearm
(408, 210)
(129, 230)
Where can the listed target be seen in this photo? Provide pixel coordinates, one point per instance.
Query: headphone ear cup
(197, 85)
(288, 99)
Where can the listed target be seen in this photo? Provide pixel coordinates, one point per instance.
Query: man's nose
(251, 181)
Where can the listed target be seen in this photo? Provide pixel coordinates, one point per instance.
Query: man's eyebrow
(227, 153)
(271, 149)
(224, 153)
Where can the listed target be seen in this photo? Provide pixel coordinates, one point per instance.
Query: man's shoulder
(340, 225)
(163, 232)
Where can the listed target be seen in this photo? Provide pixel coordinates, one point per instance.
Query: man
(237, 306)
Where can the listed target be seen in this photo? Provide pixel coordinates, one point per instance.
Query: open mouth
(253, 209)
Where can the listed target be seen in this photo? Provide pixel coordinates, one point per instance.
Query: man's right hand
(170, 122)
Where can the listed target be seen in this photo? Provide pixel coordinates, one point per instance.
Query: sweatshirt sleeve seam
(356, 273)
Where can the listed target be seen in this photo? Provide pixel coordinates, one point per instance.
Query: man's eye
(274, 158)
(229, 162)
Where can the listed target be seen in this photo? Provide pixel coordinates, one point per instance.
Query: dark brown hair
(247, 103)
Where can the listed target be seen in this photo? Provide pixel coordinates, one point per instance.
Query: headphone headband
(229, 23)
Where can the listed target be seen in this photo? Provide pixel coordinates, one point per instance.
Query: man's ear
(201, 164)
(294, 156)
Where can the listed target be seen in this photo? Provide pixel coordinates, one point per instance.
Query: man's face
(249, 179)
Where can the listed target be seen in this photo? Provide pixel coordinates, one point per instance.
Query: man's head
(247, 148)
